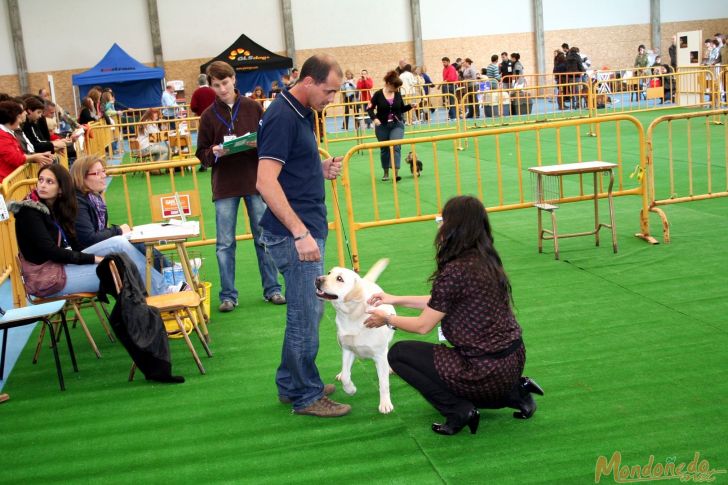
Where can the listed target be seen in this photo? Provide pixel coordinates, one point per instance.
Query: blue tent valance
(134, 84)
(117, 67)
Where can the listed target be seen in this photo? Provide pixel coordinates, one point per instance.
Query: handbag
(42, 279)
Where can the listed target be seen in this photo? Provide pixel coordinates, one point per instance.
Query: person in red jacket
(203, 96)
(12, 115)
(449, 78)
(364, 86)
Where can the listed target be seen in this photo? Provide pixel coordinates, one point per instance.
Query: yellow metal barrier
(497, 107)
(132, 115)
(690, 169)
(14, 187)
(420, 122)
(138, 211)
(180, 137)
(492, 169)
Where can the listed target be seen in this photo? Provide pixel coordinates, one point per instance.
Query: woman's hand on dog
(377, 318)
(380, 298)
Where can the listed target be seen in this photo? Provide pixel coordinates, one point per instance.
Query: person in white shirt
(409, 87)
(470, 75)
(157, 149)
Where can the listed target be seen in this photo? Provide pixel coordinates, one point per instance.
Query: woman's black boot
(522, 399)
(472, 421)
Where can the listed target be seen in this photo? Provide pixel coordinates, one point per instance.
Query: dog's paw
(338, 376)
(386, 407)
(349, 388)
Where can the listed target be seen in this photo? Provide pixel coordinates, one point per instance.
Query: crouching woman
(45, 230)
(471, 296)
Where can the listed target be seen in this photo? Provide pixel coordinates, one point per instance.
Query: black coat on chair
(138, 326)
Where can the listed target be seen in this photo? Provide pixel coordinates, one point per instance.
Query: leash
(337, 208)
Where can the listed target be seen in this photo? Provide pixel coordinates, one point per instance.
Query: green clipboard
(240, 144)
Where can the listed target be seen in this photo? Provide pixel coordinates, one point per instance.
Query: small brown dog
(411, 159)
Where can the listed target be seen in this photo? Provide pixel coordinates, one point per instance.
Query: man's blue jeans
(297, 376)
(226, 216)
(449, 101)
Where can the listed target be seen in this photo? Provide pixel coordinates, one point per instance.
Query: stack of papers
(240, 144)
(171, 229)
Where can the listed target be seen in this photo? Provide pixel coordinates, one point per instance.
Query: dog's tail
(376, 270)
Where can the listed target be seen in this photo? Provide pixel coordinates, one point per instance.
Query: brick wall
(378, 59)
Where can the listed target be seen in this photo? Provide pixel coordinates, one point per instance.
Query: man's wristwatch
(302, 236)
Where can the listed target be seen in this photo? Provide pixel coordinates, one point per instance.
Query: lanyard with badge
(230, 126)
(63, 240)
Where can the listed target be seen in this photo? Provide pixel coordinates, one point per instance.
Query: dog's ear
(356, 294)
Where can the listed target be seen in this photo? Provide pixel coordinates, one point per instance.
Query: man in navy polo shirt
(291, 180)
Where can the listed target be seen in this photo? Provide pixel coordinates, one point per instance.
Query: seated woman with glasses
(156, 149)
(92, 219)
(45, 229)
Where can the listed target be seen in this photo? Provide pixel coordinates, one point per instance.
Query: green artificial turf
(629, 347)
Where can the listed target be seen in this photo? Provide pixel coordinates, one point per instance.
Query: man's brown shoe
(325, 408)
(329, 389)
(4, 397)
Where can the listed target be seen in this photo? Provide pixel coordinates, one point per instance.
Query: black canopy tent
(254, 65)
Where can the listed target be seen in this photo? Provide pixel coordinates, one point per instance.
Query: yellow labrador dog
(348, 293)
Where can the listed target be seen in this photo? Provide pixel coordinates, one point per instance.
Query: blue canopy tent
(254, 65)
(134, 84)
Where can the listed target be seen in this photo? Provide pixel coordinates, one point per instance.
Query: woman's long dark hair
(465, 231)
(64, 208)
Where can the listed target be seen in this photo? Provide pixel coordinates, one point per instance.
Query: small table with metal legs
(153, 234)
(31, 314)
(359, 121)
(547, 201)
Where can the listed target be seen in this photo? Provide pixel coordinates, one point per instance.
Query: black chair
(17, 317)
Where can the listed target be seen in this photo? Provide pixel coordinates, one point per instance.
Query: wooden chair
(190, 200)
(75, 302)
(180, 143)
(176, 304)
(136, 154)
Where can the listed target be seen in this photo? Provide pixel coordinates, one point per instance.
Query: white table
(596, 168)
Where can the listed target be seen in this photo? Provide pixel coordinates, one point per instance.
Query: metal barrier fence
(132, 115)
(492, 167)
(160, 178)
(497, 107)
(102, 138)
(346, 122)
(543, 97)
(690, 170)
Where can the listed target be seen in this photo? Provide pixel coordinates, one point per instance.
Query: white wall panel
(7, 56)
(334, 23)
(471, 18)
(77, 33)
(681, 10)
(577, 14)
(193, 29)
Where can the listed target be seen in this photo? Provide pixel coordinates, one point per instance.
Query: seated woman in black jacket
(44, 227)
(386, 109)
(92, 219)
